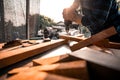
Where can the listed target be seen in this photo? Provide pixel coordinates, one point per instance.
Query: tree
(46, 21)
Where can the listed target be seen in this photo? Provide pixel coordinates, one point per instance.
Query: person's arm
(75, 4)
(70, 14)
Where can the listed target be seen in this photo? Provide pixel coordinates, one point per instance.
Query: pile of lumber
(90, 59)
(16, 54)
(63, 65)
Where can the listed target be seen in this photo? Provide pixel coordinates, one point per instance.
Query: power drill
(67, 25)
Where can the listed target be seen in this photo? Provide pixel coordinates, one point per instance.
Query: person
(97, 15)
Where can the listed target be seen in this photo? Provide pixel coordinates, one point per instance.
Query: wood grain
(55, 59)
(37, 75)
(74, 69)
(13, 56)
(72, 38)
(95, 38)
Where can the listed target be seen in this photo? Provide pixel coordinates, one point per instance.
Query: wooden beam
(97, 57)
(107, 44)
(1, 44)
(56, 59)
(95, 38)
(25, 43)
(37, 75)
(114, 45)
(103, 43)
(72, 38)
(13, 56)
(74, 69)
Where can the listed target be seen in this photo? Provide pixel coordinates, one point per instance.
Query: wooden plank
(55, 59)
(37, 75)
(114, 45)
(9, 49)
(1, 44)
(18, 70)
(74, 69)
(11, 57)
(64, 65)
(107, 44)
(72, 38)
(97, 57)
(25, 43)
(95, 38)
(103, 43)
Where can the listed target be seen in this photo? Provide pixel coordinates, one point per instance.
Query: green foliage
(45, 21)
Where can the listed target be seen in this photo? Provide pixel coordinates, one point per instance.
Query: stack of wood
(60, 66)
(90, 59)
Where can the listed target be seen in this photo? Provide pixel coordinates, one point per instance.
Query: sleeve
(97, 13)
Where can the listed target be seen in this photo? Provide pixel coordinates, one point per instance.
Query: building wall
(13, 24)
(14, 19)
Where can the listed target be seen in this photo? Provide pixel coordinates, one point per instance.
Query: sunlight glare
(54, 8)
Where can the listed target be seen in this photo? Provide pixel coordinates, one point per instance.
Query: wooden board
(97, 57)
(107, 44)
(37, 75)
(13, 56)
(114, 45)
(56, 59)
(72, 38)
(1, 45)
(95, 38)
(75, 69)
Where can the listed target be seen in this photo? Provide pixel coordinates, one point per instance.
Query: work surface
(56, 48)
(13, 55)
(53, 48)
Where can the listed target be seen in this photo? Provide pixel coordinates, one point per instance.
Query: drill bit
(67, 25)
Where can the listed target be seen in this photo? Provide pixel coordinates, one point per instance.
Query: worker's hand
(71, 15)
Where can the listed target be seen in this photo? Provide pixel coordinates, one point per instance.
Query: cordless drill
(67, 25)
